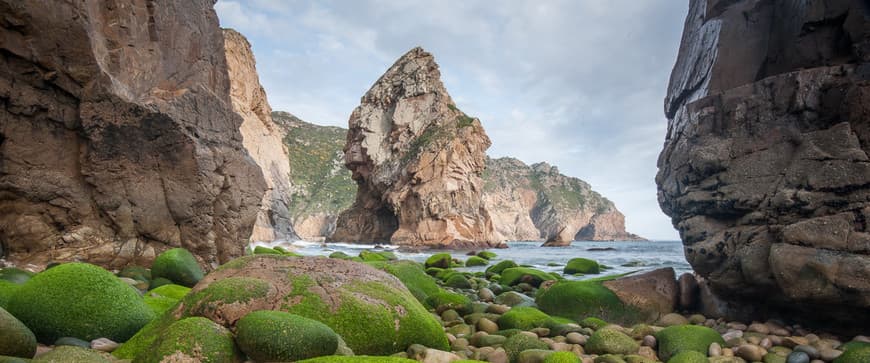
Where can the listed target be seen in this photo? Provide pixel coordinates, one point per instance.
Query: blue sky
(576, 83)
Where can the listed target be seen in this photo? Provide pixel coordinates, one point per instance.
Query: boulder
(611, 341)
(764, 170)
(118, 144)
(417, 160)
(16, 340)
(581, 265)
(523, 318)
(192, 339)
(680, 338)
(177, 265)
(86, 302)
(276, 336)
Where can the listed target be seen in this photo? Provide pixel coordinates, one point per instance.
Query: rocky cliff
(321, 185)
(539, 203)
(117, 135)
(765, 170)
(417, 161)
(262, 138)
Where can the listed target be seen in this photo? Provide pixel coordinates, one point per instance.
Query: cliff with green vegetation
(321, 185)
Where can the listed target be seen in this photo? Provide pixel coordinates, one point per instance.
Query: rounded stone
(611, 341)
(16, 340)
(177, 265)
(193, 339)
(750, 352)
(675, 339)
(271, 336)
(672, 319)
(797, 357)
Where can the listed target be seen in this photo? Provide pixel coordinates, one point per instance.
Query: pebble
(498, 309)
(487, 325)
(673, 319)
(485, 294)
(576, 338)
(561, 347)
(766, 343)
(758, 328)
(736, 326)
(732, 334)
(541, 332)
(828, 354)
(861, 338)
(750, 352)
(647, 352)
(459, 344)
(498, 356)
(649, 341)
(727, 352)
(104, 345)
(792, 342)
(715, 350)
(797, 357)
(810, 350)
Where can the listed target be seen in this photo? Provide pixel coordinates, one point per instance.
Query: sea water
(620, 256)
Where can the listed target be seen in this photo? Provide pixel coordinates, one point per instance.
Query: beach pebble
(541, 332)
(104, 345)
(736, 325)
(766, 343)
(76, 342)
(758, 328)
(697, 319)
(673, 319)
(648, 352)
(498, 356)
(576, 338)
(861, 338)
(829, 354)
(797, 357)
(485, 294)
(649, 341)
(732, 334)
(792, 342)
(487, 325)
(498, 309)
(715, 350)
(561, 347)
(809, 349)
(459, 344)
(750, 352)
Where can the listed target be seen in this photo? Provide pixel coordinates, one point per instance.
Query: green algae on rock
(487, 255)
(578, 300)
(523, 318)
(272, 336)
(357, 359)
(859, 354)
(177, 265)
(679, 338)
(440, 260)
(611, 341)
(499, 267)
(413, 276)
(561, 357)
(688, 356)
(164, 297)
(445, 300)
(581, 266)
(196, 339)
(15, 275)
(515, 275)
(7, 289)
(476, 261)
(73, 354)
(16, 339)
(87, 302)
(517, 343)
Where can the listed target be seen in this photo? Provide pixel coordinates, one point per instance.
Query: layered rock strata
(765, 170)
(262, 138)
(117, 135)
(417, 160)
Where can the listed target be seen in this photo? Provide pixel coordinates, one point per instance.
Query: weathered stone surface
(654, 293)
(262, 138)
(117, 138)
(417, 160)
(765, 170)
(529, 203)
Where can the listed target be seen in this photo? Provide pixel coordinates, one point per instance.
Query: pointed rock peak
(413, 74)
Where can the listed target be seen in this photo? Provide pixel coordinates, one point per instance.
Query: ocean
(620, 256)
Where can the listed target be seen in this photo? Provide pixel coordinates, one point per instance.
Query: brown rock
(417, 160)
(262, 138)
(117, 134)
(654, 293)
(688, 291)
(765, 169)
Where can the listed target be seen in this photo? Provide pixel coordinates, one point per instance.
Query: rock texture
(765, 169)
(539, 203)
(117, 136)
(417, 160)
(262, 138)
(321, 185)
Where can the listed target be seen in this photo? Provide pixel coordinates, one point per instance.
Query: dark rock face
(765, 170)
(118, 136)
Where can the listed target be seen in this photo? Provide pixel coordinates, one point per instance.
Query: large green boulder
(79, 300)
(523, 318)
(369, 256)
(272, 336)
(680, 338)
(611, 341)
(487, 255)
(444, 300)
(517, 343)
(73, 354)
(476, 261)
(164, 297)
(440, 260)
(689, 356)
(854, 355)
(137, 273)
(15, 275)
(578, 300)
(581, 266)
(371, 310)
(413, 276)
(357, 359)
(499, 267)
(177, 265)
(16, 340)
(7, 289)
(515, 275)
(195, 339)
(457, 281)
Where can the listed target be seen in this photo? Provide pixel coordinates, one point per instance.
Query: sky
(579, 84)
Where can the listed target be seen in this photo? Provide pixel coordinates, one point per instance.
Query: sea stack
(262, 138)
(765, 170)
(117, 135)
(417, 160)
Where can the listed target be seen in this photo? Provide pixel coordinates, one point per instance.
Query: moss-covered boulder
(262, 250)
(164, 297)
(499, 267)
(515, 344)
(369, 256)
(16, 340)
(273, 336)
(357, 359)
(195, 339)
(516, 275)
(523, 318)
(7, 289)
(440, 260)
(476, 261)
(179, 266)
(137, 273)
(487, 255)
(413, 276)
(15, 275)
(457, 281)
(581, 266)
(611, 341)
(79, 300)
(340, 255)
(578, 300)
(852, 345)
(689, 356)
(680, 338)
(370, 309)
(445, 300)
(854, 355)
(8, 359)
(562, 357)
(73, 354)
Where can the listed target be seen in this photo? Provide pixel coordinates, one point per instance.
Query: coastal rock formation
(262, 138)
(765, 170)
(117, 135)
(417, 161)
(321, 185)
(539, 203)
